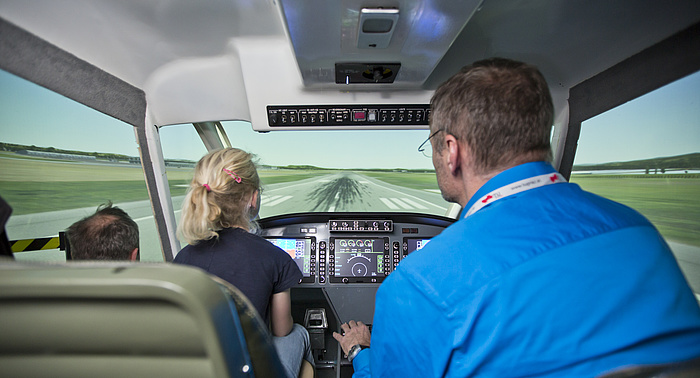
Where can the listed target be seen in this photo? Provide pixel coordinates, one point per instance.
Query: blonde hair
(219, 195)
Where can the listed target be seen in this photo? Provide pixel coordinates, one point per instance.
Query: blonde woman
(217, 219)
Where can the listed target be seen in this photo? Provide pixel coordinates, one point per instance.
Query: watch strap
(354, 350)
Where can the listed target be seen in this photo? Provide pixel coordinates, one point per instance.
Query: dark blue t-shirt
(252, 264)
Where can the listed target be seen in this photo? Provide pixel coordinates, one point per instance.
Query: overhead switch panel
(346, 115)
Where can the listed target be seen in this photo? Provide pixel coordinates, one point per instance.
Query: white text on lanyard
(514, 188)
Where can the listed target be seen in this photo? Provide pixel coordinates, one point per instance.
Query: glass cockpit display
(358, 259)
(414, 244)
(302, 251)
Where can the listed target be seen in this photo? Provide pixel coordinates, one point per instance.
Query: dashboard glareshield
(358, 259)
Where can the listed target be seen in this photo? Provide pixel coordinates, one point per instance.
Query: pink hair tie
(208, 187)
(233, 175)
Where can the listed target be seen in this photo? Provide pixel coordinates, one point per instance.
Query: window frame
(667, 61)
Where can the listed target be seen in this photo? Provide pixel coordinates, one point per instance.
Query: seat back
(682, 369)
(126, 319)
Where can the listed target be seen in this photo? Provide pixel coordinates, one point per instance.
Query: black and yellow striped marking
(26, 245)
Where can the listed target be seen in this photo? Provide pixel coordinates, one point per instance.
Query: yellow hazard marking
(54, 243)
(35, 244)
(20, 245)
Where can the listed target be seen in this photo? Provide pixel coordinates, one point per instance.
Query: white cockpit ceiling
(211, 60)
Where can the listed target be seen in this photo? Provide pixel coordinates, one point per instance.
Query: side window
(59, 160)
(182, 149)
(646, 154)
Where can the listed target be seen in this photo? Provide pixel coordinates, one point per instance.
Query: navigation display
(302, 251)
(358, 259)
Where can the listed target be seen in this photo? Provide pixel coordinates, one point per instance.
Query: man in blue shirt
(537, 278)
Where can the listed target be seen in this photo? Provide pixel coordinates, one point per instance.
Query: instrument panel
(344, 258)
(355, 248)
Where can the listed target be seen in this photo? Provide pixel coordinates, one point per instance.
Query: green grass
(672, 203)
(65, 195)
(35, 185)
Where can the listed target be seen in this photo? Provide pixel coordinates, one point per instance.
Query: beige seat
(121, 319)
(683, 369)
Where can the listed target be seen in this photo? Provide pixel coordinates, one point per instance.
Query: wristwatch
(354, 350)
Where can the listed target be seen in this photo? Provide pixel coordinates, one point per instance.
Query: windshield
(323, 171)
(60, 160)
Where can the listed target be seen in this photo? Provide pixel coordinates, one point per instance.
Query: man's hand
(353, 333)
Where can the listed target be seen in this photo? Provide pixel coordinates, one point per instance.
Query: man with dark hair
(109, 234)
(537, 277)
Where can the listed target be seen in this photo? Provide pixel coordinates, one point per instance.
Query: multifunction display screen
(302, 251)
(414, 244)
(358, 259)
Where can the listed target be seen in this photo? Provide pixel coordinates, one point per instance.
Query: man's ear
(134, 255)
(453, 154)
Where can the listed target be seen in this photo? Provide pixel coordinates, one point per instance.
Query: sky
(663, 123)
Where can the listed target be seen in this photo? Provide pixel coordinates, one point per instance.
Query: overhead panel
(412, 35)
(348, 115)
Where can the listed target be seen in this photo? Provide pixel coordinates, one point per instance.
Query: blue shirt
(552, 281)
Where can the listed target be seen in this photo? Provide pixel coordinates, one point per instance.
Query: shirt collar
(509, 176)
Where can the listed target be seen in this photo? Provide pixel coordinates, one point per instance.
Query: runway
(347, 191)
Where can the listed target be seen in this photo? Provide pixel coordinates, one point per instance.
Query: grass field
(30, 186)
(39, 185)
(671, 203)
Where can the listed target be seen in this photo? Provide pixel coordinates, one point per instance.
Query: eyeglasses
(426, 148)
